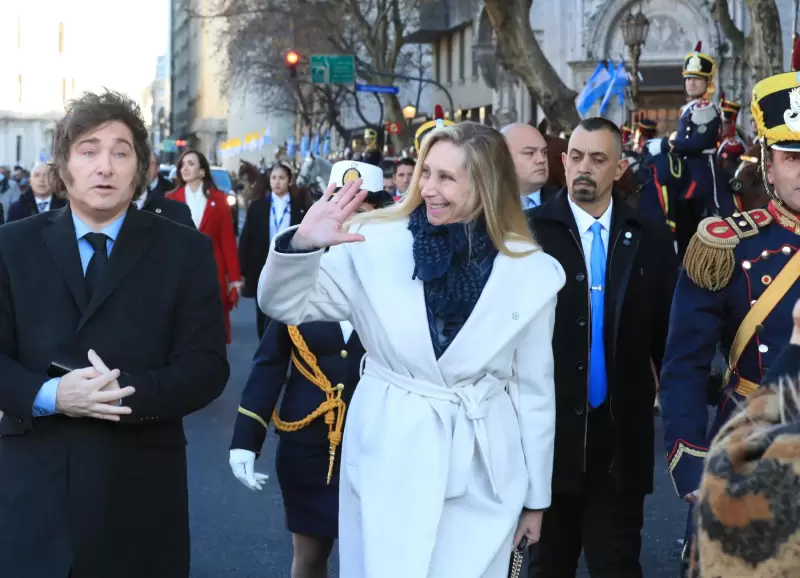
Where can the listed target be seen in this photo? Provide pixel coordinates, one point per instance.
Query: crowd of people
(503, 405)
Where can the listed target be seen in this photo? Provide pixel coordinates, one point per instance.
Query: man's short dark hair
(406, 162)
(596, 123)
(92, 110)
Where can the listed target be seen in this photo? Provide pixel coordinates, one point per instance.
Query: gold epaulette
(709, 259)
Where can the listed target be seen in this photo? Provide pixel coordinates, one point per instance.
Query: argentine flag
(619, 82)
(595, 89)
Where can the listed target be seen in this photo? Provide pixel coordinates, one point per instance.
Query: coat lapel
(132, 242)
(210, 210)
(624, 241)
(406, 323)
(63, 245)
(506, 305)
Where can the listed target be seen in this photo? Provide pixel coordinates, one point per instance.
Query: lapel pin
(626, 242)
(158, 210)
(628, 235)
(212, 203)
(515, 315)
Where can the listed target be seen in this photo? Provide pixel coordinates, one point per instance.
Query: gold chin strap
(770, 189)
(333, 407)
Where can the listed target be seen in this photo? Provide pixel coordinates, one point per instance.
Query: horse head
(747, 181)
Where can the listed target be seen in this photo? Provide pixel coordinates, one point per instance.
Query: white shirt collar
(584, 220)
(280, 200)
(199, 190)
(40, 200)
(154, 183)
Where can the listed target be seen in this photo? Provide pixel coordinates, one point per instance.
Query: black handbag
(517, 558)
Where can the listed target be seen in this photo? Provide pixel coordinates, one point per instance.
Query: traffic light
(292, 60)
(180, 143)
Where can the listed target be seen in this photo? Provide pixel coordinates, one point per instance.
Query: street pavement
(239, 533)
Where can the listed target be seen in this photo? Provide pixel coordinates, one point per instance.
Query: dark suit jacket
(640, 279)
(339, 361)
(94, 495)
(548, 192)
(254, 239)
(2, 215)
(26, 206)
(163, 186)
(169, 209)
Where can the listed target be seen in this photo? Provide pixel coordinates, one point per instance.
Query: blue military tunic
(686, 184)
(708, 311)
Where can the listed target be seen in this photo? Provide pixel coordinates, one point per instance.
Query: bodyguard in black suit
(266, 217)
(529, 150)
(167, 208)
(40, 197)
(157, 185)
(97, 369)
(611, 321)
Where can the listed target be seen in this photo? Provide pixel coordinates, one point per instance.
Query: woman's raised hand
(322, 225)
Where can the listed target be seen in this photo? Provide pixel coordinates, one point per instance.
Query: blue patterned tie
(597, 361)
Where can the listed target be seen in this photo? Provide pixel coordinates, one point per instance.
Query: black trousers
(602, 522)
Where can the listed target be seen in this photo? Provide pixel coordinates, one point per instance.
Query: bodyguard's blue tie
(598, 385)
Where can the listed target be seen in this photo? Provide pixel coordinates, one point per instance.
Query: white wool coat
(439, 456)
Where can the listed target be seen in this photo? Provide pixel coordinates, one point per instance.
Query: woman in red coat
(212, 216)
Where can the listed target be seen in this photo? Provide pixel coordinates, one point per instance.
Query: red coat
(217, 223)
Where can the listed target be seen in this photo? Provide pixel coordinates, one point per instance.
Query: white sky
(118, 41)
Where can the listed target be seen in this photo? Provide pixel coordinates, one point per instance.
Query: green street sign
(333, 69)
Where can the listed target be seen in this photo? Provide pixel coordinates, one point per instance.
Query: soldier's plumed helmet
(776, 110)
(438, 121)
(698, 65)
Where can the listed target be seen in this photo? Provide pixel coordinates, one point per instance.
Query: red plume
(796, 55)
(438, 112)
(699, 46)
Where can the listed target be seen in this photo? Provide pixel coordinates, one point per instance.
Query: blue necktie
(529, 203)
(597, 361)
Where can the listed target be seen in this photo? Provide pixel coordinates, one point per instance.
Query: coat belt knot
(469, 431)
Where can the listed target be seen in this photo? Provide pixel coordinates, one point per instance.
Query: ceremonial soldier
(731, 146)
(686, 185)
(627, 137)
(324, 362)
(738, 288)
(646, 130)
(438, 121)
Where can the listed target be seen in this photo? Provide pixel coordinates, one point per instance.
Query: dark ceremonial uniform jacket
(640, 277)
(338, 361)
(254, 239)
(728, 267)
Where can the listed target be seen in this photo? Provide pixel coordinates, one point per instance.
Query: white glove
(243, 466)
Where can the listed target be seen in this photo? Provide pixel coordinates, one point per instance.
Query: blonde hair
(492, 178)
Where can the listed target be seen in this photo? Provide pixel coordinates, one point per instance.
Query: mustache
(587, 180)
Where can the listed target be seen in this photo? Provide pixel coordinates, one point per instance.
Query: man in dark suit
(157, 185)
(260, 226)
(167, 208)
(39, 198)
(611, 321)
(529, 150)
(97, 369)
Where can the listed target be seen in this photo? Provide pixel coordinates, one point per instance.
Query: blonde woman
(448, 449)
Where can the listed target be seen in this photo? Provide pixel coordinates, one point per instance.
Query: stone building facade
(575, 35)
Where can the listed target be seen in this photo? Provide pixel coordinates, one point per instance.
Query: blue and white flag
(291, 147)
(595, 89)
(619, 82)
(304, 142)
(326, 144)
(315, 145)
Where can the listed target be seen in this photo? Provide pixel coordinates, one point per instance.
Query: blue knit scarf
(454, 262)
